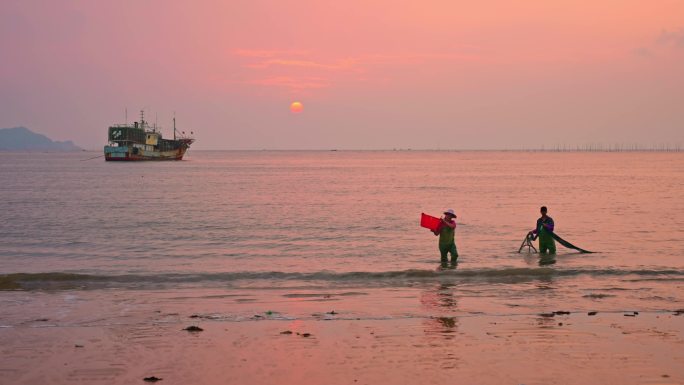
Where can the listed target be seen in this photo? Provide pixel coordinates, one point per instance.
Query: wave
(63, 280)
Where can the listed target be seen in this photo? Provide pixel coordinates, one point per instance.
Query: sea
(304, 234)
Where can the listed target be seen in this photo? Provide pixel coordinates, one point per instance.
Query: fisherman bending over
(447, 244)
(543, 231)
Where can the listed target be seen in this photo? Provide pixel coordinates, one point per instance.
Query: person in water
(447, 244)
(543, 231)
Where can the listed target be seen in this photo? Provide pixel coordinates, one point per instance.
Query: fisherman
(544, 231)
(447, 244)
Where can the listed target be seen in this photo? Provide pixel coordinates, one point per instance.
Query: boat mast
(174, 126)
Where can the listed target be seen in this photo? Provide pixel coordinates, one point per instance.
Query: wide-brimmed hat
(450, 212)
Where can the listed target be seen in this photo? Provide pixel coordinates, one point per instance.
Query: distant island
(23, 139)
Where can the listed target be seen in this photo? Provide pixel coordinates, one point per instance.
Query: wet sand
(607, 348)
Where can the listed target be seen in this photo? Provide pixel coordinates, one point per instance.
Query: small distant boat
(141, 141)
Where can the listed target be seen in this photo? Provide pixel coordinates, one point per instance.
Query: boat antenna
(142, 119)
(174, 125)
(126, 113)
(155, 121)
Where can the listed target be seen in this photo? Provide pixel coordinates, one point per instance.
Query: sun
(296, 107)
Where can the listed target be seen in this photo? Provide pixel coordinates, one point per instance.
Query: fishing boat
(141, 141)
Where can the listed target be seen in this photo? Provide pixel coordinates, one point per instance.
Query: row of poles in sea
(600, 147)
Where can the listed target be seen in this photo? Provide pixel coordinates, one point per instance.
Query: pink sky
(371, 74)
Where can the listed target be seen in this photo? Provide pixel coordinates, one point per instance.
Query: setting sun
(296, 107)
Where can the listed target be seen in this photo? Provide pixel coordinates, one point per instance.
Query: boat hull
(128, 154)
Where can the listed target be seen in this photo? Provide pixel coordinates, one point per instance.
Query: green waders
(447, 245)
(546, 242)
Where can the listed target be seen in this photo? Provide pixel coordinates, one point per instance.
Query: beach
(141, 340)
(311, 268)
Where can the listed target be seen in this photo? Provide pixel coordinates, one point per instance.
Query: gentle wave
(60, 280)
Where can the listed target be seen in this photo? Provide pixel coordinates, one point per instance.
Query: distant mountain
(23, 139)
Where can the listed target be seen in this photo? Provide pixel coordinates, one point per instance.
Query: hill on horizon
(23, 139)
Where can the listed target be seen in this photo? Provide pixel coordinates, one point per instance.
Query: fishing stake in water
(527, 242)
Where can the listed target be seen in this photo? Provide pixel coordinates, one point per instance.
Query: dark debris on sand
(288, 332)
(194, 328)
(152, 379)
(592, 313)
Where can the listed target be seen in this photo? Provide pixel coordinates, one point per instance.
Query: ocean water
(255, 231)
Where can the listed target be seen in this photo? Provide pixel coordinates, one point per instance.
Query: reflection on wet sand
(546, 283)
(440, 299)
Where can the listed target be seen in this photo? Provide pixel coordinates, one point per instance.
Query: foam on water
(59, 280)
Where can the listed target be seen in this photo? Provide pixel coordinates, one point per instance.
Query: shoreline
(482, 349)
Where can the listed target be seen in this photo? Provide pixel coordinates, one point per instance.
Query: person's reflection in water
(547, 259)
(543, 260)
(440, 299)
(547, 295)
(441, 328)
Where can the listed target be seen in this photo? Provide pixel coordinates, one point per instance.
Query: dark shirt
(547, 223)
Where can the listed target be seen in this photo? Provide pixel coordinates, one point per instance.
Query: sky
(370, 74)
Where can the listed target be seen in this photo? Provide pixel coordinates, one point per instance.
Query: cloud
(643, 52)
(354, 62)
(291, 82)
(298, 70)
(261, 53)
(412, 58)
(675, 38)
(665, 41)
(341, 65)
